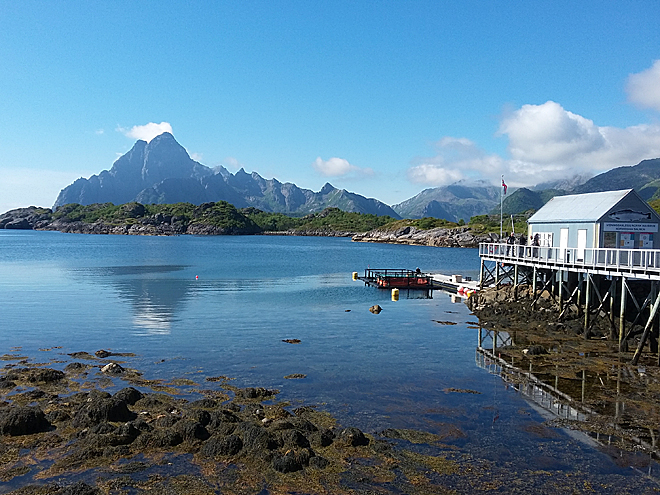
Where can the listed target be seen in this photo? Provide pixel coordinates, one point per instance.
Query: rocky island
(222, 218)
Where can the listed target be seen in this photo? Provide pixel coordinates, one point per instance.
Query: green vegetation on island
(220, 214)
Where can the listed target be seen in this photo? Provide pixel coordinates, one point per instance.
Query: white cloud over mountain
(339, 167)
(546, 142)
(146, 132)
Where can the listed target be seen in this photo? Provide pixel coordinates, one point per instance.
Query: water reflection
(575, 403)
(155, 298)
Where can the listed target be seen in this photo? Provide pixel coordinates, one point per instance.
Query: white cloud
(432, 174)
(457, 159)
(146, 132)
(643, 88)
(546, 142)
(549, 134)
(198, 157)
(339, 167)
(549, 139)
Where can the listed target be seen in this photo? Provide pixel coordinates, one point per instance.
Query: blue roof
(586, 208)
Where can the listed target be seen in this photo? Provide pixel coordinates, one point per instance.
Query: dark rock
(19, 224)
(102, 354)
(292, 461)
(6, 383)
(255, 393)
(293, 438)
(191, 430)
(166, 421)
(203, 404)
(74, 367)
(281, 424)
(199, 415)
(163, 438)
(129, 395)
(287, 463)
(257, 438)
(141, 425)
(353, 437)
(375, 309)
(303, 425)
(102, 428)
(222, 446)
(112, 368)
(536, 350)
(318, 462)
(100, 410)
(16, 421)
(80, 355)
(57, 416)
(45, 375)
(149, 401)
(323, 437)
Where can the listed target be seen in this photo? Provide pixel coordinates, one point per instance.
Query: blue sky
(383, 98)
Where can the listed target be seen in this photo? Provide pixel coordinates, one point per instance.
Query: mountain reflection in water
(155, 299)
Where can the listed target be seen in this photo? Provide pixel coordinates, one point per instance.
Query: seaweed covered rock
(27, 420)
(352, 437)
(218, 446)
(102, 409)
(129, 395)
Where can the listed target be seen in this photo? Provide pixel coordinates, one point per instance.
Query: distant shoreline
(226, 220)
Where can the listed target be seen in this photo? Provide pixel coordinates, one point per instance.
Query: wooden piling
(587, 297)
(622, 313)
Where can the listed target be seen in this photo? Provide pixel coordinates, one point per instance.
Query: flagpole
(501, 202)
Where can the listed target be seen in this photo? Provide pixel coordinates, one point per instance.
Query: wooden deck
(637, 263)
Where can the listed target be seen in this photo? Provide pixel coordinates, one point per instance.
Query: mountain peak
(327, 188)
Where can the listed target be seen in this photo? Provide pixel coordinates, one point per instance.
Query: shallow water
(207, 306)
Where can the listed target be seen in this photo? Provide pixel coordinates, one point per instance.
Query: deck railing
(612, 259)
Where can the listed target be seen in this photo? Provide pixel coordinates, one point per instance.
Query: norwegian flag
(504, 185)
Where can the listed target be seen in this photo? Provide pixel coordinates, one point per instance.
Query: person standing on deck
(523, 242)
(510, 241)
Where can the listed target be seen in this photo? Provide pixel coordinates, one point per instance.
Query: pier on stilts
(621, 285)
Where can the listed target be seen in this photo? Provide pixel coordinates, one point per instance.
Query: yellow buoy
(355, 275)
(395, 294)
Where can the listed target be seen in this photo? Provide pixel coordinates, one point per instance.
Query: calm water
(140, 294)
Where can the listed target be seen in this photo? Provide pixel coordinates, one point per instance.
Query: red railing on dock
(388, 278)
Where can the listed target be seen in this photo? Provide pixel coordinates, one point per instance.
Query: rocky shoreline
(61, 432)
(33, 218)
(439, 237)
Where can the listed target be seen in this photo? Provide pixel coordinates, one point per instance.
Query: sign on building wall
(627, 240)
(629, 227)
(646, 241)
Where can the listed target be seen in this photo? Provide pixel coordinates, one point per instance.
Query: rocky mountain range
(643, 177)
(457, 201)
(162, 172)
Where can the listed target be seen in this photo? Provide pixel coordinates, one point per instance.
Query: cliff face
(162, 172)
(144, 166)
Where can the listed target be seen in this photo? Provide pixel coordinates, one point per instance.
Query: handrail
(634, 260)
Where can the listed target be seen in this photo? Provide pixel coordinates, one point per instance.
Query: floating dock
(401, 278)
